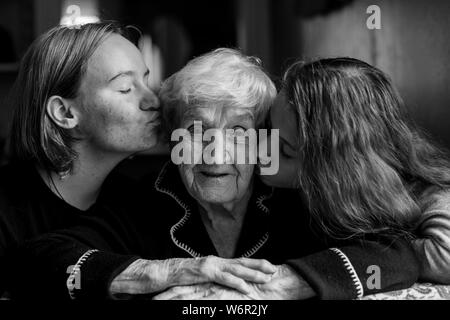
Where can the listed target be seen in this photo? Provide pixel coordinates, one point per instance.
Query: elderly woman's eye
(239, 135)
(238, 130)
(192, 128)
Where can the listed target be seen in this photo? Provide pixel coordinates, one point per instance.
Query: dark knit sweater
(28, 208)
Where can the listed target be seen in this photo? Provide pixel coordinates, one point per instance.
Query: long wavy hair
(364, 164)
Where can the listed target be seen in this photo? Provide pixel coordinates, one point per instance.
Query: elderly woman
(198, 211)
(237, 100)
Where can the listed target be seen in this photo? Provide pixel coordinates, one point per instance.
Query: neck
(224, 224)
(226, 211)
(82, 186)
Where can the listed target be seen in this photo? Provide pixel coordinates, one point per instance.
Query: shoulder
(433, 242)
(435, 198)
(16, 188)
(15, 181)
(8, 174)
(435, 212)
(136, 174)
(133, 187)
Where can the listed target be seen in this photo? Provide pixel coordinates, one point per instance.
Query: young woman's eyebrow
(121, 74)
(128, 73)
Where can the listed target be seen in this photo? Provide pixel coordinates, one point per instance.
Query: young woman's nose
(150, 102)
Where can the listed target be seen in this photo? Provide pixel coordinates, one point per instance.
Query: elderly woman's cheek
(187, 175)
(245, 174)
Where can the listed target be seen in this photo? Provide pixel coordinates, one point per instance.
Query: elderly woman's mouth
(215, 179)
(214, 174)
(215, 170)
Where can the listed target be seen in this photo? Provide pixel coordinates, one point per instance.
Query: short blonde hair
(223, 76)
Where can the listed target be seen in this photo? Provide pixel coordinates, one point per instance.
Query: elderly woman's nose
(222, 153)
(222, 156)
(150, 101)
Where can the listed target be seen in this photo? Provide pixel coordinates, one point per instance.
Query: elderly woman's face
(218, 183)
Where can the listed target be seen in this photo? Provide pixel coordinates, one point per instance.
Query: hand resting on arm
(285, 284)
(151, 276)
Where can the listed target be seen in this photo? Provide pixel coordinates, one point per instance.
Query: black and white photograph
(217, 152)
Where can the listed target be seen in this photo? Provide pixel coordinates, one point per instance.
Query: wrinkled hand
(285, 284)
(231, 273)
(204, 291)
(149, 276)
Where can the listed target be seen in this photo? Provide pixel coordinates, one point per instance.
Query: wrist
(182, 271)
(296, 288)
(140, 277)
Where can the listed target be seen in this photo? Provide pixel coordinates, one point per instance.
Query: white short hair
(223, 76)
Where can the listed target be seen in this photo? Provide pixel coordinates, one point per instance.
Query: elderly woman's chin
(216, 189)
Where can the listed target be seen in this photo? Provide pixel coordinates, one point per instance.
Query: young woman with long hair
(360, 163)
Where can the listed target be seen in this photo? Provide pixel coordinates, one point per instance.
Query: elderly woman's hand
(203, 291)
(284, 285)
(151, 276)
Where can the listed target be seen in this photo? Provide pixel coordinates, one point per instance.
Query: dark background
(412, 45)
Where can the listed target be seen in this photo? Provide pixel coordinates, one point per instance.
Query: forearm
(434, 260)
(152, 276)
(141, 277)
(433, 247)
(294, 287)
(53, 258)
(358, 269)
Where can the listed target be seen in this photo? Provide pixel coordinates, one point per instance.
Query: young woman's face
(117, 109)
(283, 117)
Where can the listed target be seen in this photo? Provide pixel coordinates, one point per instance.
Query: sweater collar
(189, 233)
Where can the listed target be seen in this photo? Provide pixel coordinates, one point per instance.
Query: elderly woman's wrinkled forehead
(219, 115)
